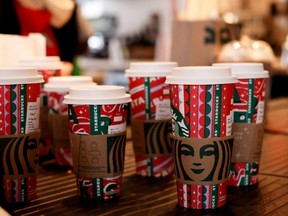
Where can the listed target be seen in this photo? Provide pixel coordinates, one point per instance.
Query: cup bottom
(99, 188)
(243, 174)
(202, 196)
(18, 190)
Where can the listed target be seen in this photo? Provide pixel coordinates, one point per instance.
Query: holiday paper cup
(151, 120)
(201, 104)
(47, 66)
(248, 117)
(97, 123)
(57, 88)
(19, 133)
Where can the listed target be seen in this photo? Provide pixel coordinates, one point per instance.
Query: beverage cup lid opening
(63, 83)
(150, 69)
(97, 95)
(19, 75)
(245, 70)
(200, 75)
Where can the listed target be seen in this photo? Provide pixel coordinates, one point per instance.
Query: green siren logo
(179, 127)
(157, 138)
(198, 160)
(19, 155)
(116, 153)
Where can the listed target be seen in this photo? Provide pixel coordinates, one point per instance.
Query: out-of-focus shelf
(96, 64)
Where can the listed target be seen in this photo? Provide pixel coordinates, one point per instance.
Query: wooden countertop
(141, 196)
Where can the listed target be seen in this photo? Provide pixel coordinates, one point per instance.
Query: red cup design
(62, 152)
(201, 111)
(249, 107)
(201, 105)
(19, 114)
(151, 101)
(97, 120)
(248, 110)
(57, 88)
(99, 116)
(47, 66)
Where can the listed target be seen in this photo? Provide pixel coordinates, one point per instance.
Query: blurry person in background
(57, 20)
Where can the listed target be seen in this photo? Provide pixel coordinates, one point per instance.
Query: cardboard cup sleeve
(98, 156)
(248, 142)
(151, 137)
(202, 161)
(19, 155)
(60, 130)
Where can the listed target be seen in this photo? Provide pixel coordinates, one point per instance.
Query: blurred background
(110, 34)
(191, 32)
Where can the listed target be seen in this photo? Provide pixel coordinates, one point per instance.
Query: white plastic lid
(200, 75)
(63, 83)
(19, 75)
(97, 95)
(245, 70)
(43, 62)
(150, 69)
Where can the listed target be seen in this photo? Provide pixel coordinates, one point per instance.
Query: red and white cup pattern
(151, 101)
(103, 111)
(198, 113)
(248, 107)
(201, 108)
(109, 119)
(19, 114)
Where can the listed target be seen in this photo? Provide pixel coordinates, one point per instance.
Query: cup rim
(150, 69)
(200, 75)
(63, 83)
(245, 70)
(19, 75)
(99, 95)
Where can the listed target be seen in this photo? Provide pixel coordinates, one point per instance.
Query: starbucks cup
(48, 66)
(19, 133)
(97, 123)
(248, 117)
(57, 88)
(201, 105)
(151, 120)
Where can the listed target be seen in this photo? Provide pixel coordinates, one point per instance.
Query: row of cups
(187, 121)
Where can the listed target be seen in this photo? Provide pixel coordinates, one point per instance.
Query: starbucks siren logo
(179, 126)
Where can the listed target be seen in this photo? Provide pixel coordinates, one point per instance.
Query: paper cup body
(56, 88)
(248, 107)
(103, 111)
(201, 110)
(47, 66)
(150, 101)
(19, 108)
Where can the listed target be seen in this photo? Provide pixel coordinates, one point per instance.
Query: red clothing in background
(37, 21)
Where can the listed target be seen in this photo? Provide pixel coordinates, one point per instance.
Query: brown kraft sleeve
(248, 142)
(60, 130)
(201, 161)
(98, 156)
(19, 155)
(151, 137)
